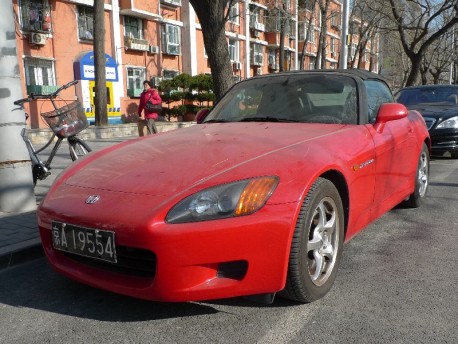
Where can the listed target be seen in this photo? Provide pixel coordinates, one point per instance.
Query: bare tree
(436, 61)
(213, 15)
(364, 28)
(320, 61)
(307, 13)
(420, 23)
(100, 101)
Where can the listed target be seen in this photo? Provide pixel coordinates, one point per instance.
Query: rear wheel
(421, 180)
(77, 147)
(317, 244)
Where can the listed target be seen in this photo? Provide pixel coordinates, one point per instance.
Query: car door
(394, 147)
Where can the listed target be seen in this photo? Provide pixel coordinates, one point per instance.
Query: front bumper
(444, 140)
(194, 261)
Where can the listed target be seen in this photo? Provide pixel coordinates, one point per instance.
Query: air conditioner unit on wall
(237, 65)
(37, 38)
(259, 71)
(154, 49)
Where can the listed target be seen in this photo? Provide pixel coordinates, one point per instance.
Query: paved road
(397, 284)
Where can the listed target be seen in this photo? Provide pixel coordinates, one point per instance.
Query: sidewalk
(19, 237)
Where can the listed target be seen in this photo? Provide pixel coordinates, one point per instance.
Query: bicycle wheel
(77, 147)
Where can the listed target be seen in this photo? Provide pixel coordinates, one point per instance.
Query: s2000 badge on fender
(92, 199)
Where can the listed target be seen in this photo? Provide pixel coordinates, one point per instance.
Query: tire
(317, 244)
(77, 147)
(421, 180)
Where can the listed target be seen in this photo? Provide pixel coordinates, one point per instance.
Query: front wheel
(317, 244)
(421, 180)
(77, 147)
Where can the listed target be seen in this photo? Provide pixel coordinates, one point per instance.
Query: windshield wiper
(216, 121)
(266, 119)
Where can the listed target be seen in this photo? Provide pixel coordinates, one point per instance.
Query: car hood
(436, 110)
(169, 163)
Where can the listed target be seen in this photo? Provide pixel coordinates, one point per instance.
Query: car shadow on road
(35, 285)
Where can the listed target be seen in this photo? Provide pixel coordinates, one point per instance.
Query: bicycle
(65, 122)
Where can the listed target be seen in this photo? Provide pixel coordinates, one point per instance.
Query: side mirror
(201, 115)
(390, 112)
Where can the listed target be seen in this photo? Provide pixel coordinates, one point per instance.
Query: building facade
(160, 39)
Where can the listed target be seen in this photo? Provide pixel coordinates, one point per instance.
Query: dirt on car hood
(167, 163)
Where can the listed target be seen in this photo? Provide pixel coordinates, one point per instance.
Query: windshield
(290, 98)
(429, 95)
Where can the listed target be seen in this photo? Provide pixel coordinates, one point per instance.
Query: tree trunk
(212, 18)
(100, 101)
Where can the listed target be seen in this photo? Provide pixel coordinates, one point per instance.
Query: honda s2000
(256, 199)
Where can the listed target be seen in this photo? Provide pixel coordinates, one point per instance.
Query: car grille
(130, 261)
(429, 122)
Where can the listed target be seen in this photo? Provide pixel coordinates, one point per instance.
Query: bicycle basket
(68, 120)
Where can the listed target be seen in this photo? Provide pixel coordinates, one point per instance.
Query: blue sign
(84, 69)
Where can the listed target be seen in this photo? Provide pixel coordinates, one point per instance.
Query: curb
(20, 253)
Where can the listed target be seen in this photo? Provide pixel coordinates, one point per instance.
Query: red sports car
(256, 199)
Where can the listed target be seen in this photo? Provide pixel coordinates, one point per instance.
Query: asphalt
(19, 236)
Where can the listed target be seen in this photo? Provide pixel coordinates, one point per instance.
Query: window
(377, 94)
(272, 59)
(273, 19)
(171, 35)
(85, 22)
(39, 72)
(255, 16)
(311, 38)
(35, 15)
(169, 74)
(135, 78)
(234, 13)
(234, 50)
(332, 48)
(312, 62)
(257, 54)
(335, 20)
(133, 27)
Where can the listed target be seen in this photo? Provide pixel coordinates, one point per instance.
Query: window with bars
(85, 22)
(171, 37)
(133, 27)
(35, 15)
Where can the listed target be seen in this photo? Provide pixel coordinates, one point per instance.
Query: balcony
(41, 89)
(257, 26)
(136, 44)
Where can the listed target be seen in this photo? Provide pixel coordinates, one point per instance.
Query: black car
(439, 106)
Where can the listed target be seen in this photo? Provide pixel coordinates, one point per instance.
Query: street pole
(453, 57)
(343, 39)
(16, 182)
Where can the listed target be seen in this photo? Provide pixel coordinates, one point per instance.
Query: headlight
(228, 200)
(451, 123)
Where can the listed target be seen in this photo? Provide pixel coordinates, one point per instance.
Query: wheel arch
(340, 183)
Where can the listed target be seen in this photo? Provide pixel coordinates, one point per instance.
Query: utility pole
(343, 40)
(16, 182)
(100, 102)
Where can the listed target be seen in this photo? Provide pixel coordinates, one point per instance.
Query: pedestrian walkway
(19, 236)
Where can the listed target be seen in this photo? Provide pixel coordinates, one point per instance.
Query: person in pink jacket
(149, 93)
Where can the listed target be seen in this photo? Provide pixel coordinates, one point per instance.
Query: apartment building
(157, 40)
